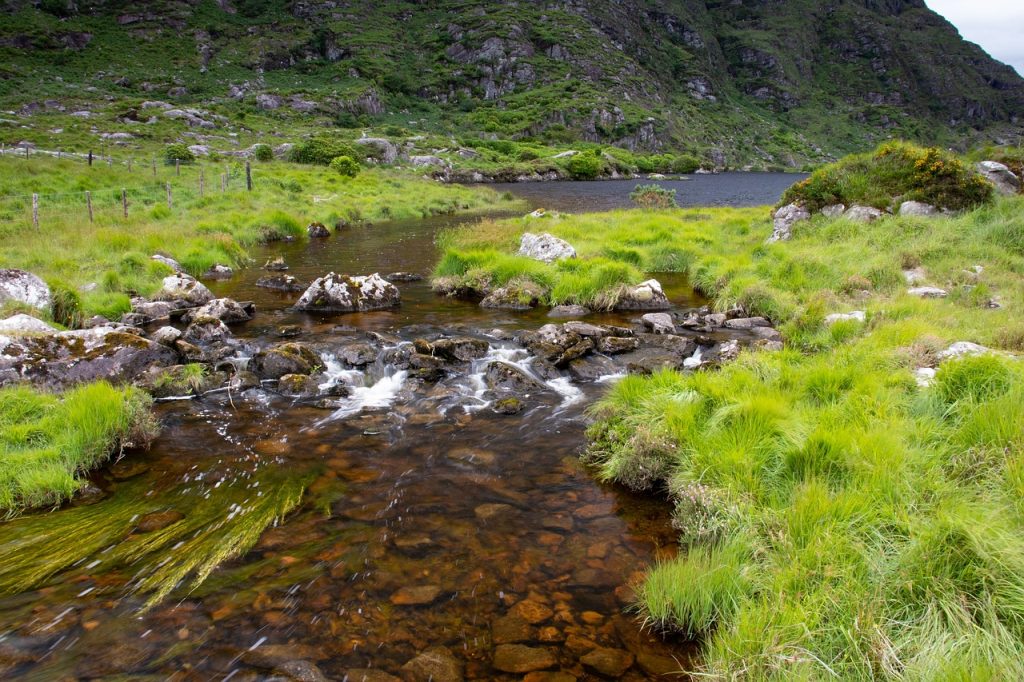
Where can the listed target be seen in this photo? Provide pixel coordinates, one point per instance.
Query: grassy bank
(105, 261)
(48, 441)
(840, 520)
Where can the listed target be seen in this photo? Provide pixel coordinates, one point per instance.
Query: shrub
(653, 196)
(178, 152)
(584, 167)
(66, 305)
(893, 173)
(684, 163)
(345, 166)
(321, 151)
(262, 152)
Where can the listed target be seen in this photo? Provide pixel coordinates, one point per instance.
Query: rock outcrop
(545, 247)
(24, 287)
(1000, 176)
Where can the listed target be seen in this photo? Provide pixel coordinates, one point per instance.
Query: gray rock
(219, 271)
(568, 311)
(659, 323)
(25, 324)
(1000, 176)
(342, 294)
(962, 349)
(917, 208)
(545, 247)
(226, 310)
(168, 261)
(863, 214)
(857, 315)
(833, 211)
(280, 283)
(614, 345)
(928, 292)
(644, 296)
(784, 219)
(460, 349)
(184, 288)
(428, 161)
(24, 287)
(746, 323)
(915, 276)
(152, 310)
(166, 336)
(514, 296)
(504, 378)
(206, 331)
(268, 102)
(275, 264)
(288, 358)
(383, 149)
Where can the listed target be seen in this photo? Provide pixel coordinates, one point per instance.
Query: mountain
(775, 82)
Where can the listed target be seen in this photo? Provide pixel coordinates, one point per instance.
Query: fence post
(248, 176)
(90, 157)
(26, 152)
(59, 155)
(223, 183)
(110, 162)
(154, 169)
(124, 201)
(129, 164)
(35, 211)
(169, 205)
(88, 203)
(201, 179)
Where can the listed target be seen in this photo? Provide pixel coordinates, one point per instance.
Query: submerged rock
(219, 271)
(343, 294)
(784, 219)
(434, 665)
(545, 247)
(275, 264)
(569, 311)
(518, 658)
(608, 662)
(317, 231)
(24, 287)
(369, 675)
(403, 277)
(280, 283)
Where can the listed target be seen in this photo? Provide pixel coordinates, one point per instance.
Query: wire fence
(152, 184)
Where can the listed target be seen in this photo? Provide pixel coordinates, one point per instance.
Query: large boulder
(545, 247)
(644, 296)
(383, 149)
(226, 310)
(784, 219)
(343, 294)
(78, 356)
(917, 208)
(23, 287)
(1000, 176)
(184, 288)
(288, 358)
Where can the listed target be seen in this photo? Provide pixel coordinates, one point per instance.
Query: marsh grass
(841, 521)
(48, 441)
(110, 258)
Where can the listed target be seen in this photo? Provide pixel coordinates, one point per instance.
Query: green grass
(839, 520)
(110, 258)
(893, 173)
(48, 441)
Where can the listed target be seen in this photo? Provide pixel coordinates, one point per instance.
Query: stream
(435, 538)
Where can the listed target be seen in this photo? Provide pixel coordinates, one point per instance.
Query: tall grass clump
(48, 441)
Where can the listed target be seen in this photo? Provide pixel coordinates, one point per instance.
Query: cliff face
(769, 80)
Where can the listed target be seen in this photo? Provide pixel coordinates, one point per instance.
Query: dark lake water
(501, 534)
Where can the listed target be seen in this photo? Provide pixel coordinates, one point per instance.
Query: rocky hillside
(771, 82)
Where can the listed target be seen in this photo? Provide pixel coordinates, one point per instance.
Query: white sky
(996, 25)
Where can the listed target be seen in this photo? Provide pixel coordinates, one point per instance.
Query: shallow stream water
(427, 522)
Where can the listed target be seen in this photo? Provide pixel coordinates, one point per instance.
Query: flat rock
(863, 214)
(416, 595)
(280, 283)
(928, 292)
(531, 611)
(227, 310)
(511, 630)
(184, 288)
(435, 665)
(1000, 176)
(856, 315)
(517, 658)
(962, 349)
(659, 323)
(917, 208)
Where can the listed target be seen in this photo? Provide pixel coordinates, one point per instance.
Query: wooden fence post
(201, 179)
(248, 176)
(90, 157)
(129, 164)
(110, 162)
(35, 211)
(88, 203)
(154, 169)
(223, 182)
(177, 166)
(124, 201)
(26, 152)
(169, 205)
